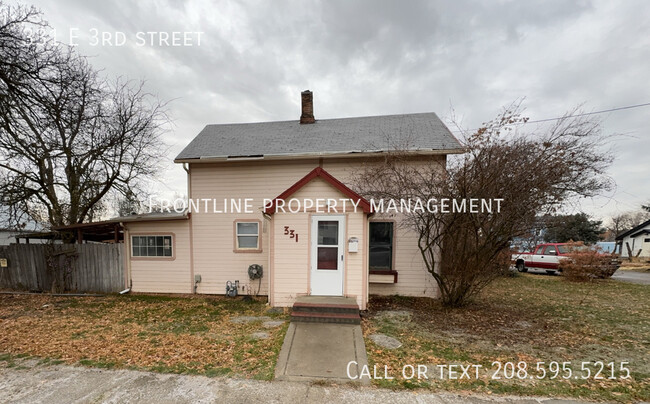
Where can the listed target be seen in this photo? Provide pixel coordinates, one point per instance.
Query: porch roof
(319, 172)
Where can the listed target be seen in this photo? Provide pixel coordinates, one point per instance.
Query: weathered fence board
(98, 268)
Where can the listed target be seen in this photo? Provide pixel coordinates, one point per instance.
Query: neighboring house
(8, 236)
(348, 253)
(637, 238)
(607, 246)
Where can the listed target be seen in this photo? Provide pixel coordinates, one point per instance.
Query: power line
(594, 113)
(575, 115)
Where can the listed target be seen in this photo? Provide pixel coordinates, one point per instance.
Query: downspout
(193, 281)
(128, 261)
(269, 218)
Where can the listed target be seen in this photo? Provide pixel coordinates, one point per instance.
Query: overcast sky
(383, 57)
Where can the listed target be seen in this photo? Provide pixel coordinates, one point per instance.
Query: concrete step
(326, 317)
(325, 308)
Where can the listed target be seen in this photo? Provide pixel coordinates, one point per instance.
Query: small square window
(247, 236)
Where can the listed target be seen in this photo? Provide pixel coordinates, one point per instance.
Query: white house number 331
(291, 233)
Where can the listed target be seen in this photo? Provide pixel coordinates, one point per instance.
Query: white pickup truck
(549, 255)
(544, 256)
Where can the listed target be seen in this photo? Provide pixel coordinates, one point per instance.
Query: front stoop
(323, 309)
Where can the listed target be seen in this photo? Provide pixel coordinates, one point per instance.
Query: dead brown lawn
(529, 318)
(160, 333)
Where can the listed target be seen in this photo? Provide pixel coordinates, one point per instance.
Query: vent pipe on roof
(307, 107)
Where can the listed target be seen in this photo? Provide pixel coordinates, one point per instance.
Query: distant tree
(533, 174)
(627, 220)
(68, 137)
(578, 227)
(646, 207)
(128, 204)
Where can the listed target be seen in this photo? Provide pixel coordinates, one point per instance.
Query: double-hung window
(247, 236)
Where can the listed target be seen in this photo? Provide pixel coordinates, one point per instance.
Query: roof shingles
(421, 132)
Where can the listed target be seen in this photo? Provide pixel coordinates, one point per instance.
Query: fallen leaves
(166, 334)
(524, 319)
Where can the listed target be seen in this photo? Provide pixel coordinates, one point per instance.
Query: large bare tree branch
(68, 137)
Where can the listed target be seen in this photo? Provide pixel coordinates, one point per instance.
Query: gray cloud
(384, 57)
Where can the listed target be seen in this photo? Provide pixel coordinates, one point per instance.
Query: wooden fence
(97, 268)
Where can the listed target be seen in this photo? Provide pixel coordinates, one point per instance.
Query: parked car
(544, 256)
(548, 256)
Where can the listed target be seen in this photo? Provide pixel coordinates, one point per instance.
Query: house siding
(292, 260)
(413, 278)
(161, 275)
(216, 262)
(214, 258)
(637, 244)
(204, 245)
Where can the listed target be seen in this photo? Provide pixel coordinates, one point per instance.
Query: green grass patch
(103, 364)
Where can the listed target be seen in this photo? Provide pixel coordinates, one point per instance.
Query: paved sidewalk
(29, 383)
(321, 351)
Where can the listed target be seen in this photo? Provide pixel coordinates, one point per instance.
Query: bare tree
(68, 137)
(532, 173)
(627, 220)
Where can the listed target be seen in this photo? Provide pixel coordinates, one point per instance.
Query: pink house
(279, 195)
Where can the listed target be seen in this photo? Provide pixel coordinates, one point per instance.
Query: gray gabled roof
(423, 132)
(633, 230)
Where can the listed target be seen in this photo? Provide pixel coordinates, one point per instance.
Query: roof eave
(632, 230)
(145, 218)
(299, 156)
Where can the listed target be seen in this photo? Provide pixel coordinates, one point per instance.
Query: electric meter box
(353, 245)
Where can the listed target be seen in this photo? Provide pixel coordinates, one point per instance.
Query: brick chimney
(307, 107)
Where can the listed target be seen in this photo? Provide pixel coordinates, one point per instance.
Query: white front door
(327, 254)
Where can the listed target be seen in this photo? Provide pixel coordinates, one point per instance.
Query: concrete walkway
(321, 351)
(29, 383)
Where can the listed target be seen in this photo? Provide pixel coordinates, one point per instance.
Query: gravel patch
(385, 341)
(260, 335)
(272, 324)
(249, 319)
(395, 315)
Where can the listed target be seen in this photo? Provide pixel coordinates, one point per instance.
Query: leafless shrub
(534, 174)
(587, 263)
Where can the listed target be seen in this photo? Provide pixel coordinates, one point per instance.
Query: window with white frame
(151, 246)
(247, 235)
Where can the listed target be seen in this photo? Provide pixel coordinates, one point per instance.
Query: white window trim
(236, 235)
(153, 257)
